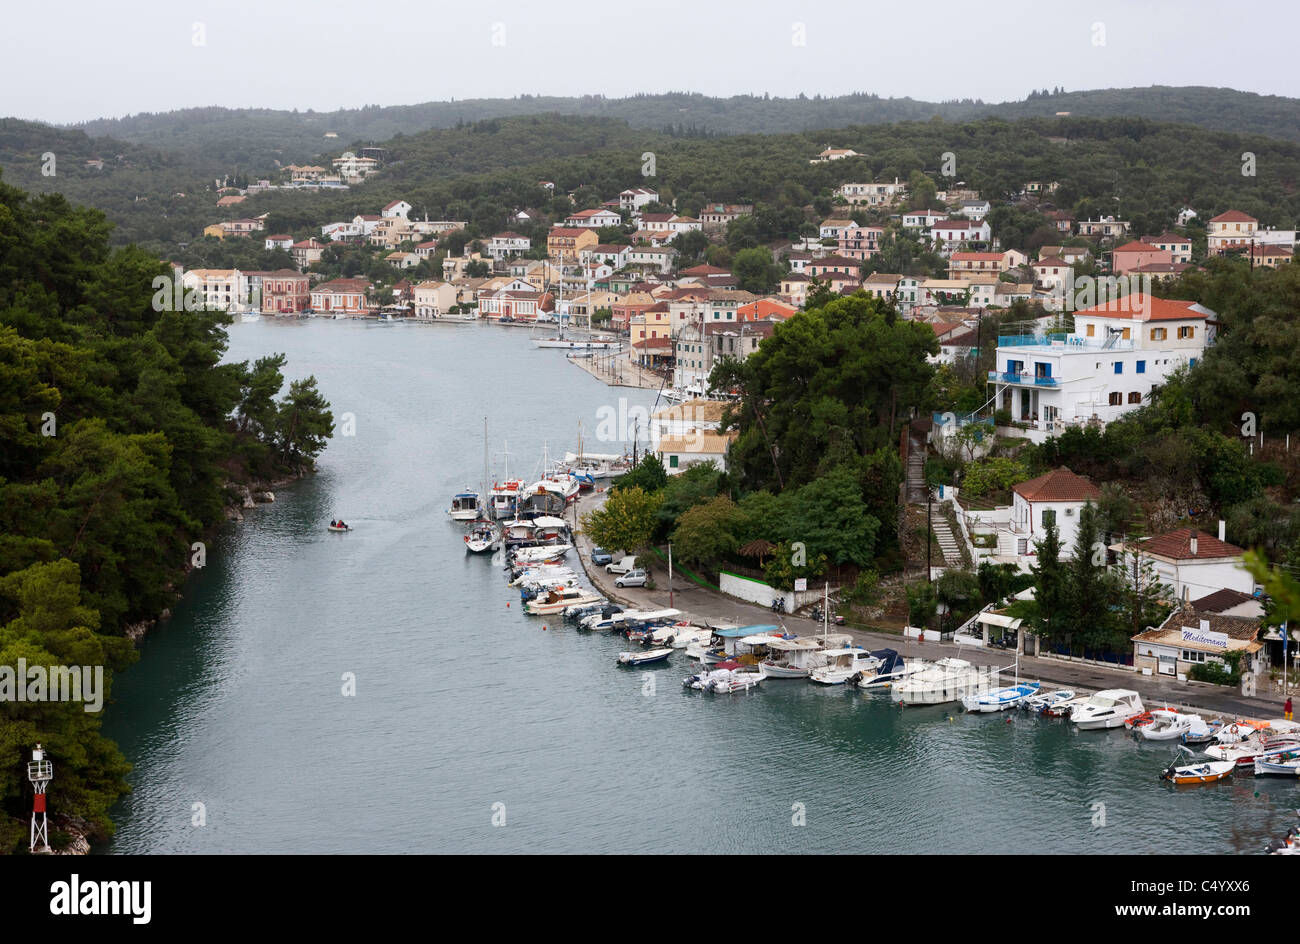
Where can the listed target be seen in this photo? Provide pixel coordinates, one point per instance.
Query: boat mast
(826, 612)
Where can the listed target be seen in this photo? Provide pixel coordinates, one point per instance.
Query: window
(1157, 334)
(672, 462)
(1049, 517)
(1134, 397)
(1186, 331)
(1117, 399)
(1119, 367)
(1141, 367)
(1092, 330)
(1192, 655)
(1127, 333)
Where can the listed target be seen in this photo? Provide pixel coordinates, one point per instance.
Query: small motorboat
(1278, 764)
(1166, 724)
(892, 668)
(1065, 707)
(482, 538)
(1044, 701)
(339, 526)
(1202, 731)
(644, 657)
(724, 678)
(1000, 699)
(1204, 772)
(1107, 709)
(560, 599)
(844, 665)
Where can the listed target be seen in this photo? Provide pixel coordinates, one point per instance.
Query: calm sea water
(462, 702)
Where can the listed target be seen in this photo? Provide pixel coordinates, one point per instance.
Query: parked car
(600, 556)
(621, 566)
(633, 578)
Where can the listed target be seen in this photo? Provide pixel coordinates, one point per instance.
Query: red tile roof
(1136, 246)
(1177, 545)
(1142, 307)
(1059, 485)
(1234, 216)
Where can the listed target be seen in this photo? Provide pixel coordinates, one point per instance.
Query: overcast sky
(65, 62)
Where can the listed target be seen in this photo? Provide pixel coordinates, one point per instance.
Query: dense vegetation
(254, 136)
(1141, 169)
(120, 430)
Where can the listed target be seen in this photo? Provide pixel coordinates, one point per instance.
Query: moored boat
(482, 538)
(464, 506)
(1000, 699)
(1203, 772)
(560, 599)
(937, 683)
(1045, 701)
(644, 656)
(1107, 709)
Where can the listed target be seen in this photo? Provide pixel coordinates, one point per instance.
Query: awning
(996, 619)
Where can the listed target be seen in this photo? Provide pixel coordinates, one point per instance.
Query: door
(1168, 665)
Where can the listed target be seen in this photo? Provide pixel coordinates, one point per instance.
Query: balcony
(1022, 377)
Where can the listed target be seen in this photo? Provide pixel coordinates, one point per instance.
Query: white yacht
(1107, 709)
(940, 682)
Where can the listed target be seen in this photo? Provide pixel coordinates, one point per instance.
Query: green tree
(626, 520)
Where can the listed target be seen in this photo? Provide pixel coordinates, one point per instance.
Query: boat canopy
(800, 644)
(570, 458)
(761, 639)
(889, 659)
(547, 521)
(467, 495)
(653, 614)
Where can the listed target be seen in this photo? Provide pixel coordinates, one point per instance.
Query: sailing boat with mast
(571, 344)
(483, 536)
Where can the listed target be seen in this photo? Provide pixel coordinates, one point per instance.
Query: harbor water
(471, 727)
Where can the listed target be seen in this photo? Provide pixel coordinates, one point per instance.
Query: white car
(621, 566)
(633, 578)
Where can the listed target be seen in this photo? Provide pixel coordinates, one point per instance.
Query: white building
(637, 197)
(507, 245)
(1119, 353)
(396, 210)
(1194, 564)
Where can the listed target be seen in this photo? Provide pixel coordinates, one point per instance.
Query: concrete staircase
(948, 542)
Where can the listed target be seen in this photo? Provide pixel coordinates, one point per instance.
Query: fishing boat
(502, 498)
(945, 680)
(1204, 772)
(1274, 737)
(1000, 699)
(1107, 709)
(644, 657)
(482, 538)
(1280, 764)
(545, 497)
(728, 642)
(560, 599)
(797, 657)
(1044, 701)
(891, 668)
(464, 506)
(843, 665)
